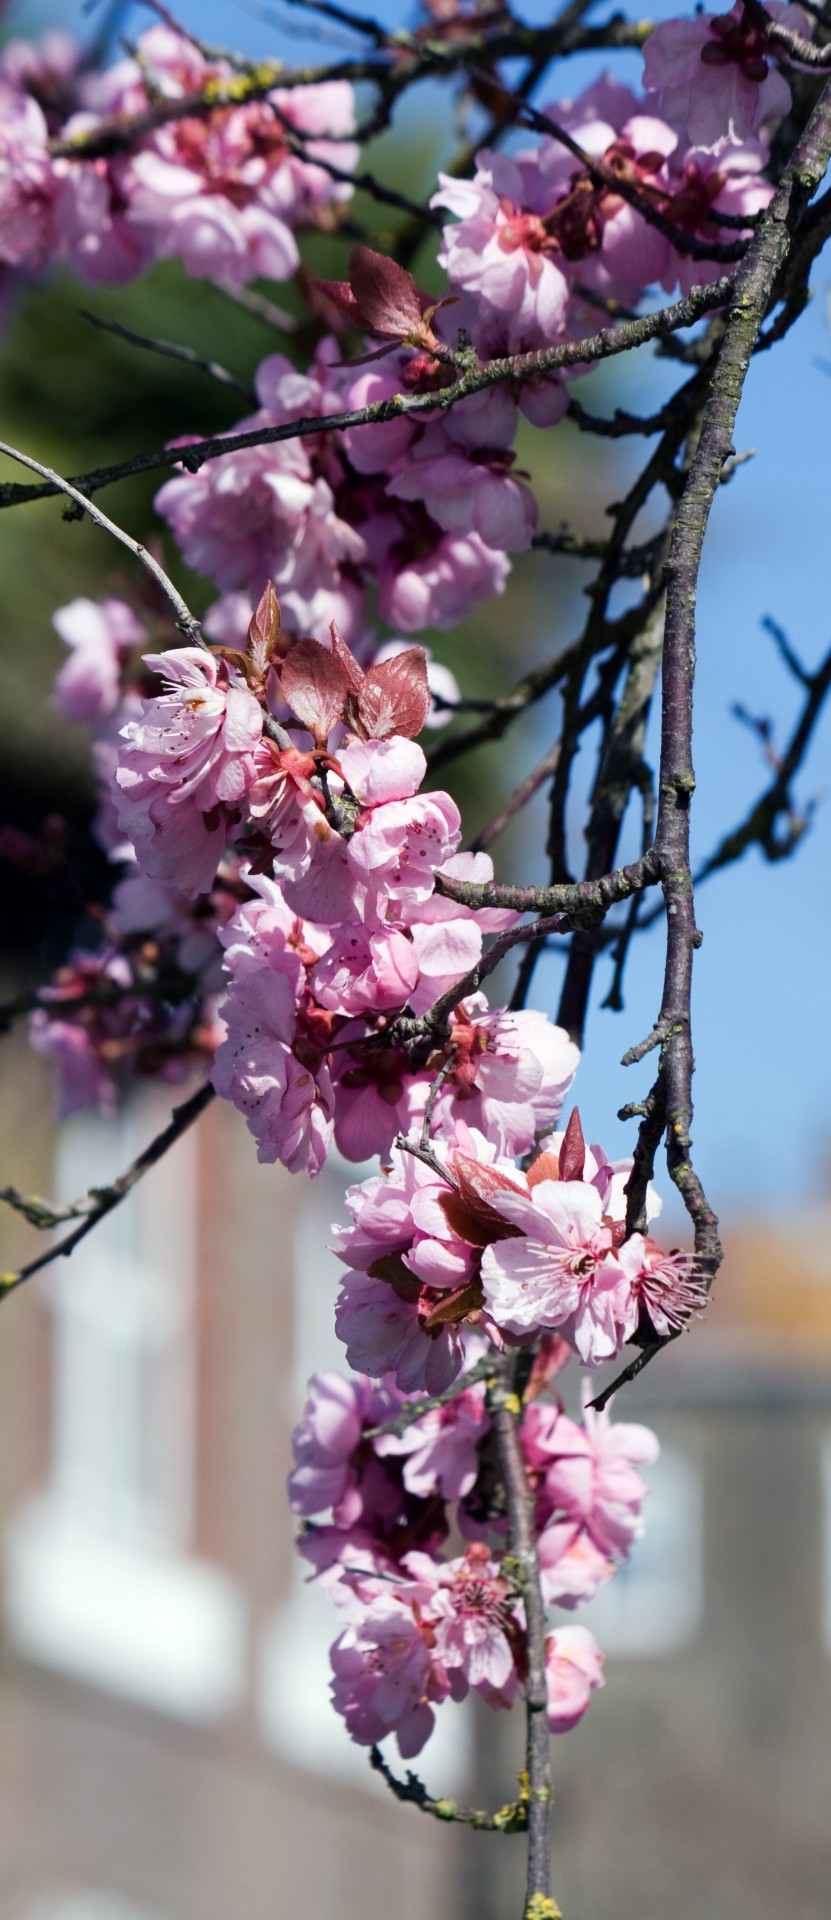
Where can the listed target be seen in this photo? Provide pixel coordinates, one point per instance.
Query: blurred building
(167, 1750)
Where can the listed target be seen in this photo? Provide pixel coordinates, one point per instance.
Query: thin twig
(609, 342)
(185, 620)
(171, 351)
(510, 1819)
(101, 1200)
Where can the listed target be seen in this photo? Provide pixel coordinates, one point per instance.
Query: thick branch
(524, 366)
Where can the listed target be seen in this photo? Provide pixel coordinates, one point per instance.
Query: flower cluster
(422, 511)
(223, 190)
(375, 1482)
(470, 1241)
(284, 911)
(540, 233)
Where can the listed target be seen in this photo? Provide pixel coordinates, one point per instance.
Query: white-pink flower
(224, 192)
(100, 635)
(183, 764)
(590, 1472)
(561, 1272)
(28, 183)
(573, 1667)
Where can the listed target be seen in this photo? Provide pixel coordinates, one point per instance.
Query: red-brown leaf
(395, 697)
(264, 630)
(343, 653)
(314, 683)
(573, 1150)
(341, 295)
(470, 1212)
(386, 295)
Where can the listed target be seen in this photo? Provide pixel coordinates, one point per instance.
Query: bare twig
(101, 1200)
(517, 367)
(185, 620)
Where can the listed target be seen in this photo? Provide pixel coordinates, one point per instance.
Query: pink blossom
(589, 1472)
(572, 1566)
(381, 1326)
(100, 634)
(286, 808)
(364, 972)
(28, 183)
(439, 1450)
(573, 1667)
(224, 193)
(332, 1468)
(511, 1074)
(499, 251)
(467, 495)
(669, 1288)
(440, 588)
(704, 183)
(287, 1105)
(76, 1042)
(188, 759)
(98, 239)
(471, 1616)
(713, 76)
(400, 844)
(402, 1314)
(382, 1676)
(286, 1102)
(269, 512)
(561, 1273)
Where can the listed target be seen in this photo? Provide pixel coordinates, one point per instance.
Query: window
(99, 1578)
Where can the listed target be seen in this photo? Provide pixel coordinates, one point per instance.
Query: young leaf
(395, 697)
(264, 630)
(314, 683)
(573, 1150)
(386, 295)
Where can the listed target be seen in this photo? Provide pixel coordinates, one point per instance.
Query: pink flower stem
(505, 1407)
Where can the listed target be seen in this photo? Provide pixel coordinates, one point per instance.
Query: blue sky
(763, 1124)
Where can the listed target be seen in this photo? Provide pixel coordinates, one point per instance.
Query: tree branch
(100, 1201)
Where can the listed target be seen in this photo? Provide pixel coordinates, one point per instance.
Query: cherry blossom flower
(589, 1472)
(383, 1673)
(705, 183)
(561, 1273)
(572, 1566)
(713, 74)
(573, 1667)
(29, 231)
(223, 193)
(471, 1620)
(328, 1472)
(187, 760)
(101, 634)
(670, 1288)
(439, 1450)
(269, 512)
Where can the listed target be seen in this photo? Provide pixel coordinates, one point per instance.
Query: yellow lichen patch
(542, 1907)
